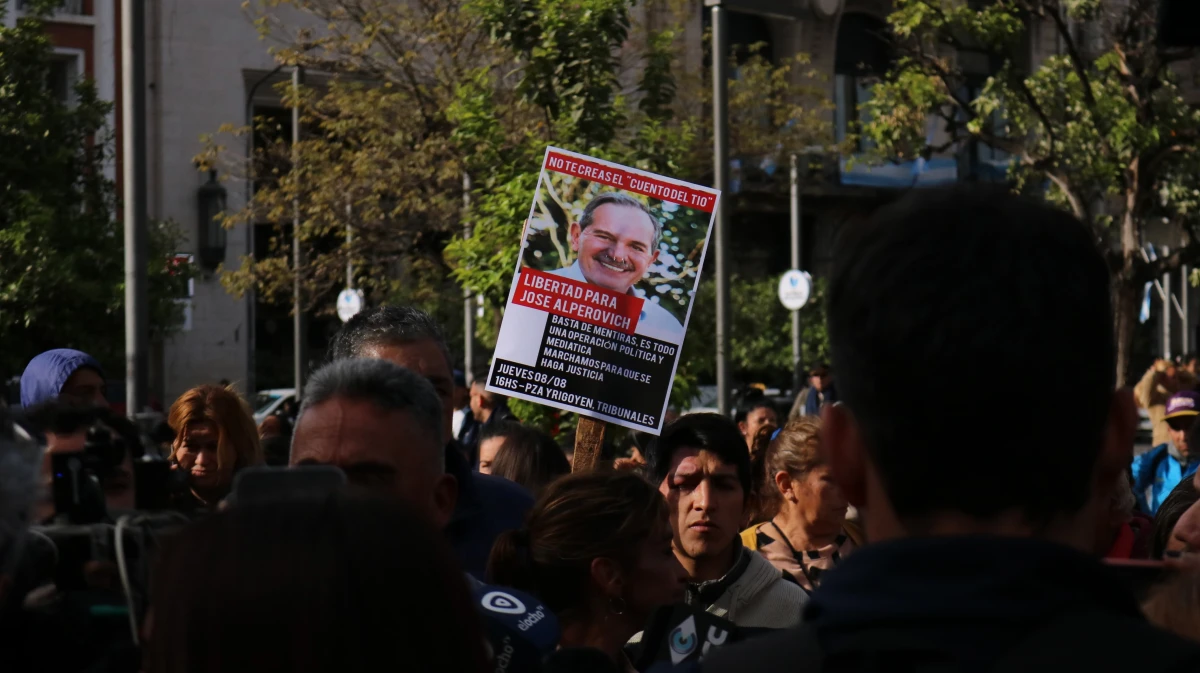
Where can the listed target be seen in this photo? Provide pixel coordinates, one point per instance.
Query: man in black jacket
(980, 523)
(486, 506)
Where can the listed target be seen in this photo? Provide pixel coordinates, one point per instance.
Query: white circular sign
(794, 289)
(505, 604)
(349, 303)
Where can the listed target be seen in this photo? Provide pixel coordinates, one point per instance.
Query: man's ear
(843, 451)
(445, 497)
(575, 232)
(1119, 432)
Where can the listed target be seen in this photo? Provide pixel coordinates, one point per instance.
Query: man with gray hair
(486, 506)
(382, 425)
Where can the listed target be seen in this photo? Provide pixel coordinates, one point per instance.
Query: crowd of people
(866, 528)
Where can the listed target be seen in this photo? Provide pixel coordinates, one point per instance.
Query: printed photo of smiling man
(615, 241)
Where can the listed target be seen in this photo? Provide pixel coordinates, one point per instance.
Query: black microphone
(579, 660)
(677, 635)
(521, 631)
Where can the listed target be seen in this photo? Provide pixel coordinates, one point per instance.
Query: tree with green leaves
(661, 124)
(1098, 125)
(61, 245)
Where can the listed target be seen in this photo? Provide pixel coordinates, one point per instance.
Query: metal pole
(720, 68)
(1185, 342)
(349, 243)
(252, 293)
(468, 298)
(797, 359)
(133, 103)
(1166, 321)
(299, 333)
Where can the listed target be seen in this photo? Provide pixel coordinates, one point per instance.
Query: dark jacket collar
(964, 578)
(468, 498)
(707, 592)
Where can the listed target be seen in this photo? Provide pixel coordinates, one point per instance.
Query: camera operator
(63, 373)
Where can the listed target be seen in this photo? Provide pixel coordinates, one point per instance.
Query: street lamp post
(720, 70)
(468, 297)
(299, 325)
(133, 102)
(797, 363)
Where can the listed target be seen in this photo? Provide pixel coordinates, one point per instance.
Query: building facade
(203, 61)
(207, 66)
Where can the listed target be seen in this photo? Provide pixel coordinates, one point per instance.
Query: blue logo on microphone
(683, 640)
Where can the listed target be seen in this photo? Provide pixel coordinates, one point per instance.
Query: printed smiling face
(616, 248)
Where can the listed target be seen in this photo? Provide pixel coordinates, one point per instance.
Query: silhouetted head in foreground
(943, 307)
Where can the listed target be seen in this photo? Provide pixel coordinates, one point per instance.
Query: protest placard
(609, 264)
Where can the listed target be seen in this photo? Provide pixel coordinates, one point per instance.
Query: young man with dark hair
(702, 467)
(486, 506)
(981, 525)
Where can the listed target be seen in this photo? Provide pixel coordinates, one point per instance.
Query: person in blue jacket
(1158, 471)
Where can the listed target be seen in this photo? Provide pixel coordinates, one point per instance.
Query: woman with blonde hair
(215, 436)
(805, 532)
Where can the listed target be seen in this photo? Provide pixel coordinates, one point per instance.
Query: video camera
(99, 456)
(103, 506)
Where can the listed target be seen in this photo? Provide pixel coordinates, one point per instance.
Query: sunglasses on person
(1181, 423)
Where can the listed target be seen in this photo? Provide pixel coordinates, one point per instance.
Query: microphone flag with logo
(521, 631)
(678, 634)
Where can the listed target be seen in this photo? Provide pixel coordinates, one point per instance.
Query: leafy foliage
(1099, 127)
(761, 346)
(61, 247)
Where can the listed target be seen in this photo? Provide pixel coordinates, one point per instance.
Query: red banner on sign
(684, 195)
(579, 301)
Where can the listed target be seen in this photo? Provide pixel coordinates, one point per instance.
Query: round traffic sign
(349, 303)
(794, 289)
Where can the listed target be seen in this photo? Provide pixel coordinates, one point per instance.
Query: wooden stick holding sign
(589, 444)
